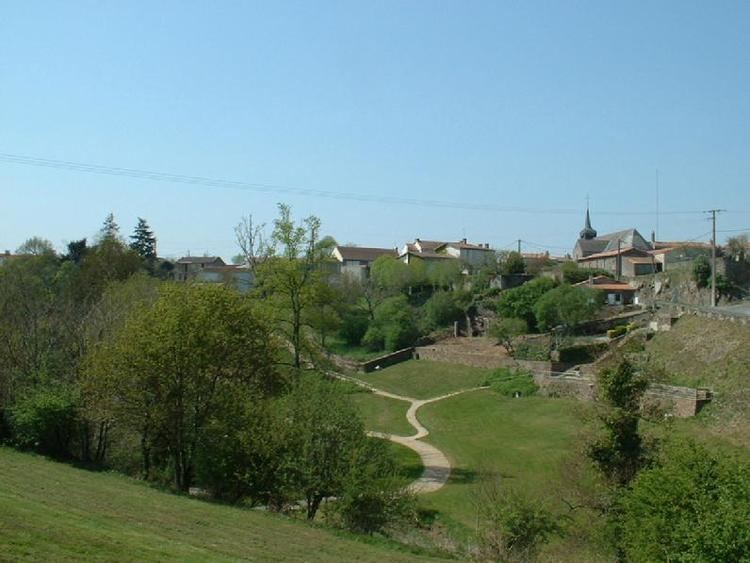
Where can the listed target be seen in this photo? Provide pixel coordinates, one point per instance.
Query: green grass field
(521, 440)
(423, 379)
(54, 512)
(408, 461)
(381, 414)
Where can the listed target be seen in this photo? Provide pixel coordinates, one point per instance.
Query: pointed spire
(588, 231)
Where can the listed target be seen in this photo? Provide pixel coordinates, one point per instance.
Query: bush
(46, 420)
(702, 271)
(692, 506)
(441, 310)
(511, 526)
(519, 302)
(565, 305)
(512, 383)
(617, 331)
(354, 326)
(506, 331)
(582, 353)
(394, 326)
(531, 351)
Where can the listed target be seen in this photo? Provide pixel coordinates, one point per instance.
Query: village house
(616, 292)
(355, 261)
(187, 267)
(472, 255)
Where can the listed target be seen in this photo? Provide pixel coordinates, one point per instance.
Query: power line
(207, 182)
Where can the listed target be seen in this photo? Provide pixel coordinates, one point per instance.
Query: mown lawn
(381, 414)
(423, 379)
(521, 440)
(54, 512)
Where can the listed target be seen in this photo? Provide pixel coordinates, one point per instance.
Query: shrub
(519, 302)
(506, 331)
(354, 326)
(441, 310)
(564, 305)
(394, 326)
(46, 420)
(701, 271)
(531, 351)
(617, 331)
(582, 353)
(512, 383)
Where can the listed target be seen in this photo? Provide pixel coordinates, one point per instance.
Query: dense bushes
(394, 326)
(519, 302)
(582, 353)
(565, 306)
(442, 309)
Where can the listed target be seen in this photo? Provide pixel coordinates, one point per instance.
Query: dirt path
(437, 468)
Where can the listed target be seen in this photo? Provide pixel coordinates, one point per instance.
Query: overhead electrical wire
(207, 182)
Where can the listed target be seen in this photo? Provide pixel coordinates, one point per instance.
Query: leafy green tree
(702, 271)
(693, 505)
(394, 326)
(391, 274)
(293, 275)
(565, 305)
(519, 302)
(511, 525)
(445, 274)
(621, 452)
(442, 309)
(175, 366)
(46, 419)
(76, 251)
(322, 435)
(354, 325)
(143, 241)
(36, 246)
(373, 494)
(513, 264)
(507, 330)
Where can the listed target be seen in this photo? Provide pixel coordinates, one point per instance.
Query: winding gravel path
(437, 468)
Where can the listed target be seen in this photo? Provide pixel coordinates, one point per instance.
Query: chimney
(463, 240)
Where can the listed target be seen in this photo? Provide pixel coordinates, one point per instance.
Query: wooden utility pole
(713, 213)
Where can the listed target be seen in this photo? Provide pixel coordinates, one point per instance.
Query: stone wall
(387, 360)
(682, 402)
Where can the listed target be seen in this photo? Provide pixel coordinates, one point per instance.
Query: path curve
(437, 468)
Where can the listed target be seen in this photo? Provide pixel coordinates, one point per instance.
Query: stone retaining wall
(387, 360)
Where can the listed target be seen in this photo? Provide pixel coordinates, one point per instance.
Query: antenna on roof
(657, 204)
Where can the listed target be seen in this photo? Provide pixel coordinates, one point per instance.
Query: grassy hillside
(382, 414)
(53, 512)
(423, 379)
(701, 352)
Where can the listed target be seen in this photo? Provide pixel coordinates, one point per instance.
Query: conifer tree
(144, 242)
(110, 230)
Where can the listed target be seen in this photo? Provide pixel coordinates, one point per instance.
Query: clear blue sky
(504, 104)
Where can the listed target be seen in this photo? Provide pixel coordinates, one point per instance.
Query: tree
(565, 305)
(143, 241)
(292, 275)
(251, 240)
(519, 302)
(507, 330)
(322, 435)
(701, 271)
(445, 274)
(175, 365)
(513, 264)
(442, 309)
(620, 453)
(738, 248)
(693, 505)
(36, 246)
(110, 230)
(511, 525)
(76, 251)
(391, 274)
(394, 326)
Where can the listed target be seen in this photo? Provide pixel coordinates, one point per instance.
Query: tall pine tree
(144, 242)
(110, 231)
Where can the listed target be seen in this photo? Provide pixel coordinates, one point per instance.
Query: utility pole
(618, 264)
(713, 213)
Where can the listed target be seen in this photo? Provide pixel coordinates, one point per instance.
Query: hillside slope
(53, 512)
(700, 352)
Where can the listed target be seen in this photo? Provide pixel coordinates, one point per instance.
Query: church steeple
(588, 231)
